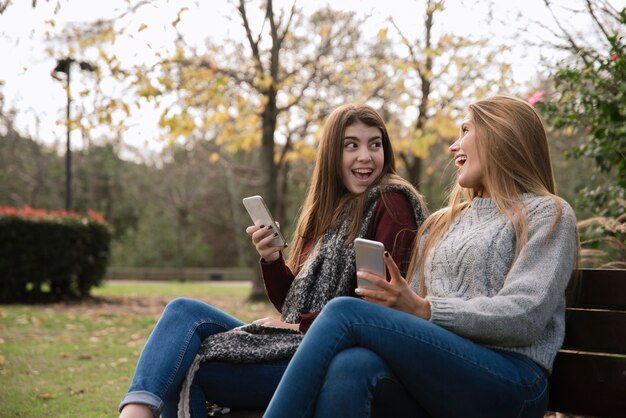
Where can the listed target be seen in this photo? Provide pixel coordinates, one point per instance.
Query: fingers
(261, 233)
(262, 237)
(388, 293)
(374, 279)
(394, 271)
(261, 321)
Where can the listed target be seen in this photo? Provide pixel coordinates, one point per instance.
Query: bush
(590, 96)
(51, 254)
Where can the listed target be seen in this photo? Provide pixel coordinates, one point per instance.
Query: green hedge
(46, 255)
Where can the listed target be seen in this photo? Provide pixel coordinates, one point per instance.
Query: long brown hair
(327, 198)
(513, 151)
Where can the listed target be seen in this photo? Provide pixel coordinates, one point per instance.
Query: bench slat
(588, 384)
(595, 330)
(597, 288)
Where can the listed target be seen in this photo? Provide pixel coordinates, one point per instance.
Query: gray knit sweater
(477, 290)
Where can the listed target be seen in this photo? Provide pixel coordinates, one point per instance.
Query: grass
(76, 359)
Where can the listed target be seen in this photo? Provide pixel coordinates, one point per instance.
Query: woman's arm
(534, 287)
(277, 279)
(395, 226)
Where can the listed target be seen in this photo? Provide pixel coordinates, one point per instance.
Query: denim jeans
(354, 344)
(170, 350)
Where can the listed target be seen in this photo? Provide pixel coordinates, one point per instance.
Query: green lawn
(76, 360)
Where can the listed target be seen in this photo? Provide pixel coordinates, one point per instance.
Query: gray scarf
(328, 272)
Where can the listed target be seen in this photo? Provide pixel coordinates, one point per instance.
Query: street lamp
(64, 66)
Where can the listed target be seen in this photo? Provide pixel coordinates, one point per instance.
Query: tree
(590, 97)
(435, 74)
(263, 92)
(6, 3)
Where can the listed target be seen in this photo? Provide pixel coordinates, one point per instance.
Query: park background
(179, 109)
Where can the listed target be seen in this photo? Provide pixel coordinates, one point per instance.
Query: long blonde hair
(327, 198)
(513, 151)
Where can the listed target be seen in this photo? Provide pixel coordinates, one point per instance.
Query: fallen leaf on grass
(137, 336)
(85, 357)
(45, 396)
(1, 360)
(36, 320)
(76, 392)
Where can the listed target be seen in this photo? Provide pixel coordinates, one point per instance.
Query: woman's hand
(262, 236)
(396, 293)
(276, 323)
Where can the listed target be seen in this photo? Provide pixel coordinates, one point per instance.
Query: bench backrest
(589, 374)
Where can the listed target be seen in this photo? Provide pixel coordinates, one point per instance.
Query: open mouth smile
(460, 160)
(362, 173)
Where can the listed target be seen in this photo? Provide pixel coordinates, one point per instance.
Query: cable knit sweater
(477, 290)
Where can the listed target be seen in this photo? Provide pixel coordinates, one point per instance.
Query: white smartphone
(260, 215)
(370, 258)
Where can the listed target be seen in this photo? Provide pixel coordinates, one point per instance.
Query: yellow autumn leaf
(142, 27)
(382, 35)
(325, 30)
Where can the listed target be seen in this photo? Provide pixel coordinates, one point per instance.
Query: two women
(476, 328)
(354, 192)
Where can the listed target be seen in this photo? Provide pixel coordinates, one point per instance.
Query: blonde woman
(475, 332)
(212, 356)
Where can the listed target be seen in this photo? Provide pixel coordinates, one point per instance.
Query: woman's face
(470, 172)
(363, 156)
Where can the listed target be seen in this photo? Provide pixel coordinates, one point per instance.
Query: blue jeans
(353, 345)
(169, 352)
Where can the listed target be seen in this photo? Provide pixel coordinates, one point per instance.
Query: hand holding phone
(369, 258)
(260, 215)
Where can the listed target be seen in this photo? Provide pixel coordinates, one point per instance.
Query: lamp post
(64, 65)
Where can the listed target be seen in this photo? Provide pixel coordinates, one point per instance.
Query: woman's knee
(179, 305)
(190, 313)
(194, 309)
(341, 304)
(357, 362)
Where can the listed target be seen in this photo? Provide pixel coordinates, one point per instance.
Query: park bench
(589, 374)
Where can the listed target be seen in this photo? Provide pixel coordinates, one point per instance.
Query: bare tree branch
(595, 19)
(254, 45)
(409, 45)
(567, 35)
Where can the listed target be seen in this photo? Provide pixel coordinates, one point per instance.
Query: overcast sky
(40, 100)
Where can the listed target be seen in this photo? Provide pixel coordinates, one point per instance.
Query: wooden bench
(589, 375)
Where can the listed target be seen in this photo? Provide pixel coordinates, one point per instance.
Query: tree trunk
(268, 167)
(283, 190)
(413, 166)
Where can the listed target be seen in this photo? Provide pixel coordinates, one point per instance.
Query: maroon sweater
(392, 224)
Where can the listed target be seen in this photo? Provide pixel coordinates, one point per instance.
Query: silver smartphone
(370, 258)
(260, 215)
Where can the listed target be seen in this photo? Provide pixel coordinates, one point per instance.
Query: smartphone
(260, 215)
(370, 258)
